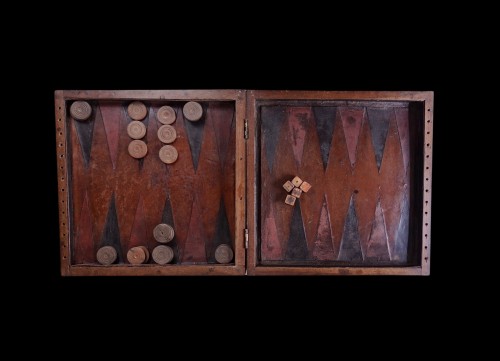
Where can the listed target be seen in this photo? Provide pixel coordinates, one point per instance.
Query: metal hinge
(246, 129)
(246, 238)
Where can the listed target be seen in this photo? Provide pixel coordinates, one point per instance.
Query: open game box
(244, 182)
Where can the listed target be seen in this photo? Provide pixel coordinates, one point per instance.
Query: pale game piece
(137, 110)
(297, 181)
(290, 200)
(162, 254)
(136, 129)
(163, 233)
(137, 149)
(166, 115)
(288, 186)
(136, 255)
(106, 255)
(167, 134)
(80, 110)
(296, 192)
(192, 111)
(305, 187)
(223, 254)
(168, 154)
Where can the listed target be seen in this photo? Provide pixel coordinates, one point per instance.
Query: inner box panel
(362, 160)
(117, 200)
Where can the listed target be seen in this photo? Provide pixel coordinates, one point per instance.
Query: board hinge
(246, 238)
(245, 134)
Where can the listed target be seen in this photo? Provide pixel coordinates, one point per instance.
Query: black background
(285, 62)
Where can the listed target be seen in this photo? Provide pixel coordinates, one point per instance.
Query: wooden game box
(244, 182)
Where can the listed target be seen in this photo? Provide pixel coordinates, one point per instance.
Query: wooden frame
(246, 234)
(425, 99)
(64, 176)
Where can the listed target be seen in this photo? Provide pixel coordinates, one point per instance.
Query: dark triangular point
(194, 131)
(272, 119)
(297, 244)
(85, 131)
(111, 232)
(350, 248)
(325, 124)
(379, 126)
(222, 233)
(168, 218)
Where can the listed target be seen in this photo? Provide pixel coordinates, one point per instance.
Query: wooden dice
(288, 186)
(290, 200)
(296, 192)
(295, 187)
(297, 181)
(304, 187)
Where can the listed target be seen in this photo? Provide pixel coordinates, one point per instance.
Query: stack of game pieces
(167, 134)
(163, 233)
(136, 130)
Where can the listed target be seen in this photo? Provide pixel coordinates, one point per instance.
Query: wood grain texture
(394, 184)
(101, 180)
(379, 119)
(85, 131)
(350, 247)
(339, 190)
(326, 118)
(312, 171)
(110, 113)
(352, 120)
(354, 160)
(377, 246)
(84, 243)
(394, 202)
(323, 243)
(111, 233)
(365, 181)
(138, 234)
(118, 200)
(296, 245)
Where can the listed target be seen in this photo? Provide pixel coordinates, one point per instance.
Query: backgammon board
(235, 182)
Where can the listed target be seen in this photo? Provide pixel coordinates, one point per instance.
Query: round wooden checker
(167, 134)
(136, 130)
(146, 252)
(106, 255)
(223, 254)
(163, 233)
(137, 110)
(163, 254)
(137, 149)
(192, 111)
(168, 154)
(136, 255)
(80, 110)
(166, 115)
